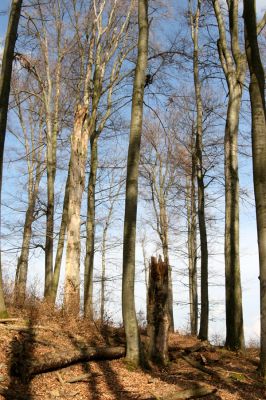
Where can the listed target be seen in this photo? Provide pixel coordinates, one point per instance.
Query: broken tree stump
(158, 312)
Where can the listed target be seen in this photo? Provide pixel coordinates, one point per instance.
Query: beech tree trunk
(133, 353)
(234, 67)
(6, 73)
(90, 229)
(158, 311)
(192, 251)
(258, 109)
(79, 144)
(61, 242)
(204, 314)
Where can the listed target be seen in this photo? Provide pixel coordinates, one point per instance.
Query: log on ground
(55, 361)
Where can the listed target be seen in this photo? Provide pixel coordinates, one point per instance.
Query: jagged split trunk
(158, 311)
(257, 99)
(90, 230)
(6, 73)
(79, 144)
(204, 314)
(234, 313)
(128, 302)
(61, 242)
(192, 251)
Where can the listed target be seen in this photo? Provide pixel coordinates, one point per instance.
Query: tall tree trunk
(234, 313)
(192, 251)
(90, 229)
(234, 66)
(204, 314)
(6, 73)
(165, 245)
(23, 260)
(61, 242)
(79, 144)
(257, 99)
(133, 353)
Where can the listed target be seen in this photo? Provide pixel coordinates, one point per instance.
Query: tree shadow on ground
(21, 349)
(193, 376)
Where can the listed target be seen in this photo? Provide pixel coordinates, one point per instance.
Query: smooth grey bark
(234, 67)
(133, 353)
(258, 114)
(204, 314)
(90, 229)
(192, 250)
(5, 80)
(60, 244)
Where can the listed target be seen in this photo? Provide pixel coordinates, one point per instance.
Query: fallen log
(189, 394)
(24, 369)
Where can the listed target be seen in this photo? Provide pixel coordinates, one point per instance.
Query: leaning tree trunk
(90, 230)
(61, 242)
(79, 144)
(158, 311)
(204, 314)
(6, 73)
(128, 305)
(23, 260)
(258, 109)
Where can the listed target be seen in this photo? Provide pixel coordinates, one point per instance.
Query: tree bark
(258, 114)
(50, 362)
(234, 66)
(61, 242)
(204, 314)
(133, 354)
(6, 73)
(192, 251)
(90, 229)
(79, 143)
(158, 311)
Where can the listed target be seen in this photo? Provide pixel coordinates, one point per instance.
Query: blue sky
(248, 244)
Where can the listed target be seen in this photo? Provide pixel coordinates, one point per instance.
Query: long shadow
(108, 374)
(19, 364)
(92, 382)
(235, 387)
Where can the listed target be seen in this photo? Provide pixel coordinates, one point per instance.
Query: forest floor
(37, 335)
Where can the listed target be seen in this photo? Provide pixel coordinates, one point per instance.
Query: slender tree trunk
(61, 242)
(79, 144)
(165, 245)
(133, 353)
(234, 313)
(257, 99)
(6, 73)
(192, 252)
(234, 66)
(23, 260)
(204, 314)
(90, 230)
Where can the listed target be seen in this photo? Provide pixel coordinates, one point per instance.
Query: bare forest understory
(46, 355)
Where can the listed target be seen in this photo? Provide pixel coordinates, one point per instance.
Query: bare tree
(5, 80)
(233, 62)
(204, 314)
(133, 353)
(258, 114)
